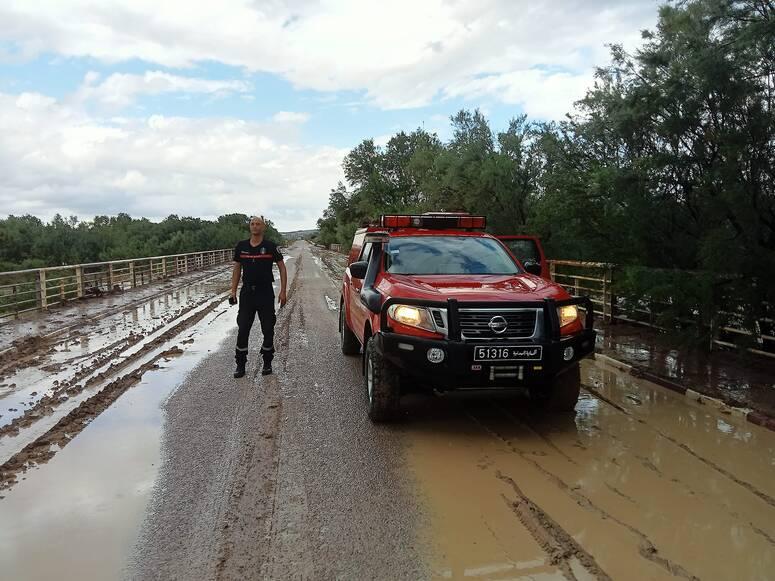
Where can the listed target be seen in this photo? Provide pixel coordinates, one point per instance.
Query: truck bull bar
(551, 319)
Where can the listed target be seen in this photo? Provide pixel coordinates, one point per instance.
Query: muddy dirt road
(189, 474)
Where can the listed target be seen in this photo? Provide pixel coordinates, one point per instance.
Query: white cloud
(120, 90)
(402, 53)
(290, 117)
(382, 140)
(539, 93)
(56, 158)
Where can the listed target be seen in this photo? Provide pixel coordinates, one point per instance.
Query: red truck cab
(433, 300)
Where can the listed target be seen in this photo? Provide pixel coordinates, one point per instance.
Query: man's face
(257, 226)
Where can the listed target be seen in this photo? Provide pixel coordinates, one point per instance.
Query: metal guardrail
(592, 279)
(598, 279)
(22, 291)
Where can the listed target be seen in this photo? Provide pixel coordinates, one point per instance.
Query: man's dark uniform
(256, 296)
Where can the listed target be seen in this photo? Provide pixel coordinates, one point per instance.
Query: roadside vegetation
(28, 242)
(666, 168)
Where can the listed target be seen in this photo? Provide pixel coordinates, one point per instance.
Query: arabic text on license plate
(509, 353)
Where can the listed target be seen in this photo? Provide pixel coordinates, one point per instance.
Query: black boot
(242, 358)
(268, 356)
(240, 370)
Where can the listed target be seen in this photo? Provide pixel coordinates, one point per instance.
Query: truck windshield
(448, 255)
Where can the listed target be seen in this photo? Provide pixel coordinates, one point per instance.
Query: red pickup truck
(433, 300)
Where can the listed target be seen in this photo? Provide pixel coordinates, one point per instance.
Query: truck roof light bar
(435, 221)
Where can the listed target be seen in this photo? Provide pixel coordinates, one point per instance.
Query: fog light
(568, 353)
(435, 355)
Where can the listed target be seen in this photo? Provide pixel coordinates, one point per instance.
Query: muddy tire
(561, 393)
(383, 394)
(347, 339)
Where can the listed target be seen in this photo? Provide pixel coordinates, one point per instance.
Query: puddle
(646, 486)
(94, 345)
(42, 323)
(472, 533)
(743, 380)
(78, 515)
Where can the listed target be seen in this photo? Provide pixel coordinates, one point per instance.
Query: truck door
(358, 311)
(527, 249)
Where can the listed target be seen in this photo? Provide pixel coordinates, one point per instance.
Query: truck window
(524, 250)
(448, 255)
(355, 249)
(366, 253)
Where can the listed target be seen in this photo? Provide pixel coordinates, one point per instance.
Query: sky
(249, 106)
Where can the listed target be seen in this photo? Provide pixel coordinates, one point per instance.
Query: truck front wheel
(382, 386)
(561, 393)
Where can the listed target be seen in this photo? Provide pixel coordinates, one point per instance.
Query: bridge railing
(593, 279)
(599, 281)
(22, 291)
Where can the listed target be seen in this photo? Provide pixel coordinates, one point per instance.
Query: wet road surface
(284, 477)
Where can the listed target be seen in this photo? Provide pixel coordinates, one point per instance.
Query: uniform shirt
(257, 261)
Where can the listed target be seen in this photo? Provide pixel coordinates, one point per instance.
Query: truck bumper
(460, 369)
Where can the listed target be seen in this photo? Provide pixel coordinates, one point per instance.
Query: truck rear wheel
(561, 393)
(347, 339)
(383, 393)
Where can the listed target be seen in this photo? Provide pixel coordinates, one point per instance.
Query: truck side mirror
(533, 268)
(358, 269)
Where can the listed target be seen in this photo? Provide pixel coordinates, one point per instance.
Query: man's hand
(282, 299)
(233, 299)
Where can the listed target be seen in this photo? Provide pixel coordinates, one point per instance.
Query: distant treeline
(28, 242)
(667, 163)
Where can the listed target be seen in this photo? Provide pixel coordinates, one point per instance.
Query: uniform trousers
(256, 299)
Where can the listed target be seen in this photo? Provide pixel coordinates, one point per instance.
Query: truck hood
(522, 287)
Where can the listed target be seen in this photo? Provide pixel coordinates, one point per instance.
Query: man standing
(253, 258)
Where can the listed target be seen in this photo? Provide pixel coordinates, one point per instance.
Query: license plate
(509, 353)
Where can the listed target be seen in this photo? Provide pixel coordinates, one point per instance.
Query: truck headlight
(412, 316)
(567, 314)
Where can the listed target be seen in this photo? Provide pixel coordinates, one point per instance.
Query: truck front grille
(475, 324)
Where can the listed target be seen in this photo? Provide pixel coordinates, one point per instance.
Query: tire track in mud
(62, 392)
(723, 471)
(649, 465)
(646, 547)
(646, 463)
(558, 544)
(258, 463)
(253, 463)
(45, 406)
(43, 448)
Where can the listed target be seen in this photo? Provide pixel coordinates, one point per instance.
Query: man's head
(257, 226)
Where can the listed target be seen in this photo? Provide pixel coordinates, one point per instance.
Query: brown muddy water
(60, 363)
(79, 514)
(640, 484)
(740, 379)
